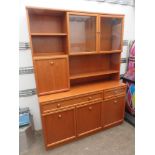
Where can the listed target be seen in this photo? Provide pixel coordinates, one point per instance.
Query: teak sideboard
(76, 58)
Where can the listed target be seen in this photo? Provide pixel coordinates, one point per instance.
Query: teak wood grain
(76, 57)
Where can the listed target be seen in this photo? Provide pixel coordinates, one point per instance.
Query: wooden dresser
(76, 57)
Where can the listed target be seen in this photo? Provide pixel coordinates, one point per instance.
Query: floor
(119, 140)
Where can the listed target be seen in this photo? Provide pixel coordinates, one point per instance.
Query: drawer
(114, 92)
(56, 105)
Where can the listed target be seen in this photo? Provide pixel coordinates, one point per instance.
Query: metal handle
(90, 98)
(90, 108)
(115, 101)
(116, 91)
(58, 105)
(51, 62)
(59, 116)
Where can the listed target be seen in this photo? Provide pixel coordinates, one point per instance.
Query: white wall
(27, 81)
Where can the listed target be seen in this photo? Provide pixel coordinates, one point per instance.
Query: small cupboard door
(88, 118)
(59, 126)
(113, 111)
(51, 75)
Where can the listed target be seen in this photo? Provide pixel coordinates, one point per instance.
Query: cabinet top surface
(81, 89)
(48, 10)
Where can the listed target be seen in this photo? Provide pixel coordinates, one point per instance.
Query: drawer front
(56, 105)
(114, 92)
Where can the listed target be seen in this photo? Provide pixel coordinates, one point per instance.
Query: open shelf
(85, 75)
(49, 45)
(101, 66)
(47, 21)
(48, 34)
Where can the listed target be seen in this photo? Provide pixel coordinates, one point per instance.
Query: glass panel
(111, 32)
(82, 33)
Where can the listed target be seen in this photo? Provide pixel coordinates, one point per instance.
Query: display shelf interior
(47, 22)
(110, 34)
(98, 65)
(82, 33)
(49, 45)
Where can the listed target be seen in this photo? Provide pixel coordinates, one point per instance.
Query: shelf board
(110, 52)
(48, 57)
(83, 53)
(48, 34)
(79, 76)
(93, 52)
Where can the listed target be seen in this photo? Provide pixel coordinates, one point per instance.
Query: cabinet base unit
(81, 111)
(76, 58)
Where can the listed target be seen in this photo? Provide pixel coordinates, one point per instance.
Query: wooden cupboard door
(88, 118)
(51, 75)
(60, 74)
(113, 111)
(59, 126)
(43, 74)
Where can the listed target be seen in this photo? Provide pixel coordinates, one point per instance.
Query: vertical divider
(122, 34)
(68, 32)
(98, 34)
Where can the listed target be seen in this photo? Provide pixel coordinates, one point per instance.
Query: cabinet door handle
(90, 108)
(58, 105)
(115, 101)
(90, 98)
(59, 116)
(51, 62)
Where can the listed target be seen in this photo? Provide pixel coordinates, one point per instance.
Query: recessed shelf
(49, 45)
(85, 75)
(48, 34)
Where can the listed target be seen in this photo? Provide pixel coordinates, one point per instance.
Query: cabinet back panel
(47, 23)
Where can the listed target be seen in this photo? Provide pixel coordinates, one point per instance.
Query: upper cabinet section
(60, 32)
(82, 33)
(111, 34)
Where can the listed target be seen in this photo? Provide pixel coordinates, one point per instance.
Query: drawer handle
(51, 62)
(58, 105)
(90, 98)
(59, 116)
(115, 101)
(90, 108)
